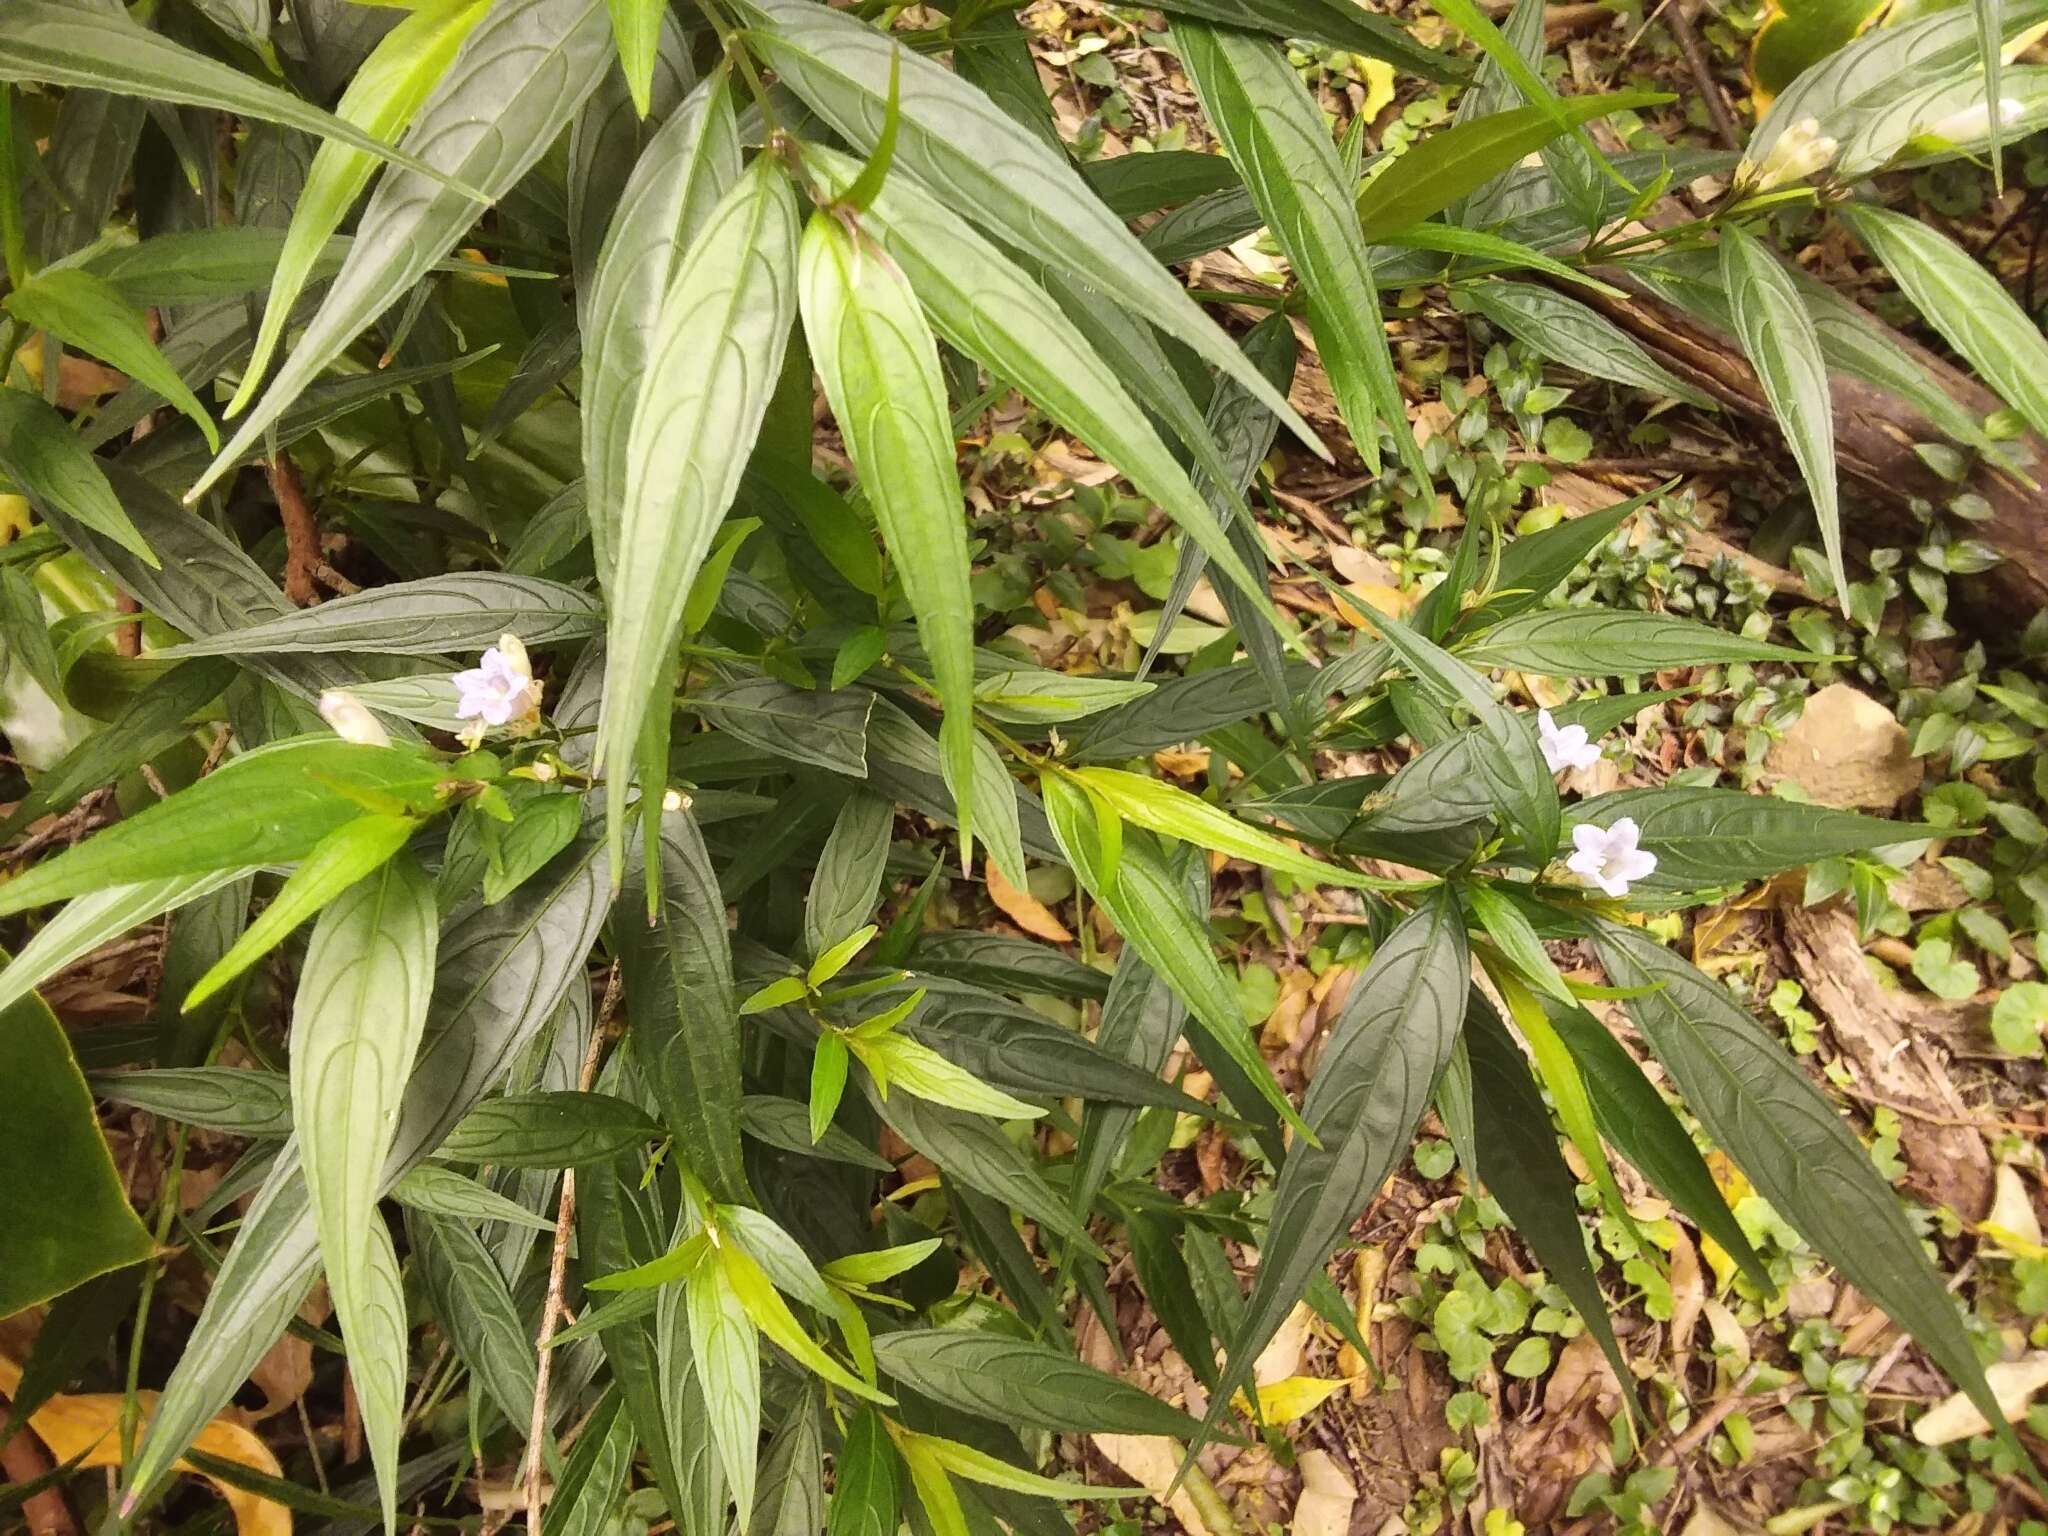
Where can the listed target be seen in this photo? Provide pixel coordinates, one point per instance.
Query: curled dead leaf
(2013, 1383)
(1025, 909)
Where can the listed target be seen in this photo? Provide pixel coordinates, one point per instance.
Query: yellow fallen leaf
(1295, 1397)
(1025, 909)
(86, 1428)
(1379, 87)
(1362, 599)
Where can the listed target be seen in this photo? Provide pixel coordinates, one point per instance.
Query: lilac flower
(1608, 856)
(1565, 746)
(500, 691)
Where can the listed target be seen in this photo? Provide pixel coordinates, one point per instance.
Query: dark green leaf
(865, 1492)
(828, 730)
(1015, 1382)
(1711, 837)
(46, 462)
(1566, 331)
(1605, 642)
(547, 1130)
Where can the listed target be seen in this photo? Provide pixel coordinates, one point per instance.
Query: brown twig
(23, 1460)
(558, 1269)
(128, 637)
(301, 532)
(1688, 40)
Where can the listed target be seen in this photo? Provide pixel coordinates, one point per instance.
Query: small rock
(1847, 750)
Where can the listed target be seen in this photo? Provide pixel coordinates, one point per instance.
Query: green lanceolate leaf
(72, 1220)
(982, 303)
(94, 49)
(1173, 812)
(558, 1129)
(357, 1023)
(435, 616)
(679, 1001)
(1533, 566)
(1963, 301)
(1276, 136)
(1711, 837)
(1605, 642)
(1635, 1118)
(1380, 1067)
(1516, 778)
(866, 1485)
(105, 912)
(1522, 1168)
(476, 1312)
(348, 854)
(677, 181)
(521, 74)
(503, 973)
(636, 27)
(1757, 1104)
(1335, 22)
(271, 806)
(381, 99)
(1779, 340)
(725, 1352)
(712, 361)
(47, 463)
(1457, 161)
(1012, 1381)
(880, 368)
(444, 1192)
(848, 879)
(586, 1498)
(1020, 189)
(240, 1100)
(88, 315)
(1149, 906)
(1566, 331)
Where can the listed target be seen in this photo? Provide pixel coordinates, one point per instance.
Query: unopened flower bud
(674, 800)
(1796, 154)
(351, 719)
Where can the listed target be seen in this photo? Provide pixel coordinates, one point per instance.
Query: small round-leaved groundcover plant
(627, 930)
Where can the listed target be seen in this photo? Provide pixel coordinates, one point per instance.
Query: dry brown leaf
(1281, 1358)
(1324, 1508)
(1846, 749)
(2013, 1383)
(1025, 909)
(1152, 1462)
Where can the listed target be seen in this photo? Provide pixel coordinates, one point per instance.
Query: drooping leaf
(1963, 301)
(88, 315)
(1780, 342)
(677, 181)
(356, 1025)
(350, 853)
(880, 369)
(521, 73)
(983, 304)
(503, 972)
(382, 96)
(677, 973)
(711, 364)
(636, 27)
(1021, 190)
(1566, 331)
(1380, 1066)
(45, 461)
(1150, 909)
(1757, 1104)
(1275, 134)
(1635, 1118)
(1522, 1168)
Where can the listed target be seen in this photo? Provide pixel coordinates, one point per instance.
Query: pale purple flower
(1608, 856)
(1564, 746)
(500, 690)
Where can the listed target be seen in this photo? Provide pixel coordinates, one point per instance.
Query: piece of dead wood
(1875, 433)
(1883, 1034)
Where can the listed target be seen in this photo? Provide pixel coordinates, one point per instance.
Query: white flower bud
(351, 719)
(674, 800)
(1797, 153)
